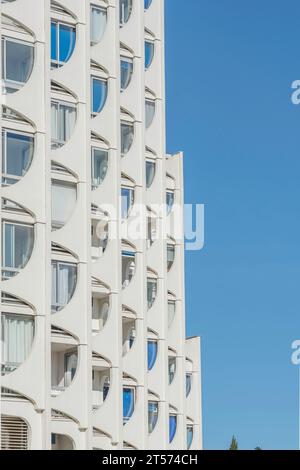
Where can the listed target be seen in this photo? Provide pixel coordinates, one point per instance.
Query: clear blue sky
(230, 65)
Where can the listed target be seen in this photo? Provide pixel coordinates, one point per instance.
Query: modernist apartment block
(93, 348)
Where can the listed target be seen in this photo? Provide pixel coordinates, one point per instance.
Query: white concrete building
(93, 348)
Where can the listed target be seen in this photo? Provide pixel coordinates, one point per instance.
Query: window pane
(64, 278)
(125, 10)
(127, 134)
(171, 312)
(98, 23)
(147, 4)
(150, 173)
(127, 196)
(150, 111)
(99, 166)
(67, 38)
(152, 415)
(17, 153)
(170, 256)
(188, 384)
(99, 94)
(190, 435)
(17, 246)
(169, 201)
(151, 291)
(17, 332)
(172, 368)
(63, 202)
(128, 267)
(128, 403)
(172, 427)
(19, 62)
(126, 73)
(152, 353)
(63, 119)
(149, 53)
(70, 367)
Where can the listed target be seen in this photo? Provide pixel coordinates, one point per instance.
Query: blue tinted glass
(188, 384)
(105, 391)
(152, 353)
(66, 42)
(125, 202)
(169, 201)
(172, 427)
(147, 3)
(152, 415)
(99, 95)
(54, 41)
(149, 52)
(128, 403)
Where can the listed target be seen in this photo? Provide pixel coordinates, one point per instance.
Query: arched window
(63, 35)
(99, 155)
(149, 110)
(188, 376)
(126, 66)
(189, 435)
(170, 194)
(98, 22)
(17, 238)
(150, 171)
(149, 53)
(17, 55)
(99, 88)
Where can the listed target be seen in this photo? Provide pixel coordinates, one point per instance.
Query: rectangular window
(63, 37)
(17, 62)
(98, 23)
(17, 333)
(64, 277)
(63, 202)
(17, 243)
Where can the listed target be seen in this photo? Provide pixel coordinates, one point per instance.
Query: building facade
(93, 348)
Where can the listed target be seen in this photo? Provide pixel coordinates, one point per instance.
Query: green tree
(234, 444)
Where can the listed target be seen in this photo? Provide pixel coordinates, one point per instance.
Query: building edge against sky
(93, 348)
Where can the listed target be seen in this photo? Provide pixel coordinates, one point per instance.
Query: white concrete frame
(69, 413)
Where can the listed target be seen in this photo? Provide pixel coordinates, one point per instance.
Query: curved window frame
(188, 383)
(23, 340)
(10, 85)
(63, 132)
(189, 436)
(125, 149)
(172, 366)
(71, 187)
(152, 289)
(13, 178)
(150, 167)
(128, 406)
(125, 11)
(152, 352)
(171, 248)
(96, 39)
(126, 72)
(127, 200)
(171, 315)
(13, 268)
(150, 111)
(149, 53)
(129, 271)
(97, 180)
(170, 200)
(56, 304)
(153, 412)
(102, 98)
(172, 426)
(58, 57)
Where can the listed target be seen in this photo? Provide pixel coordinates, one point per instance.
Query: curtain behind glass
(172, 368)
(99, 166)
(150, 111)
(127, 134)
(171, 312)
(17, 332)
(98, 23)
(63, 202)
(126, 73)
(151, 291)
